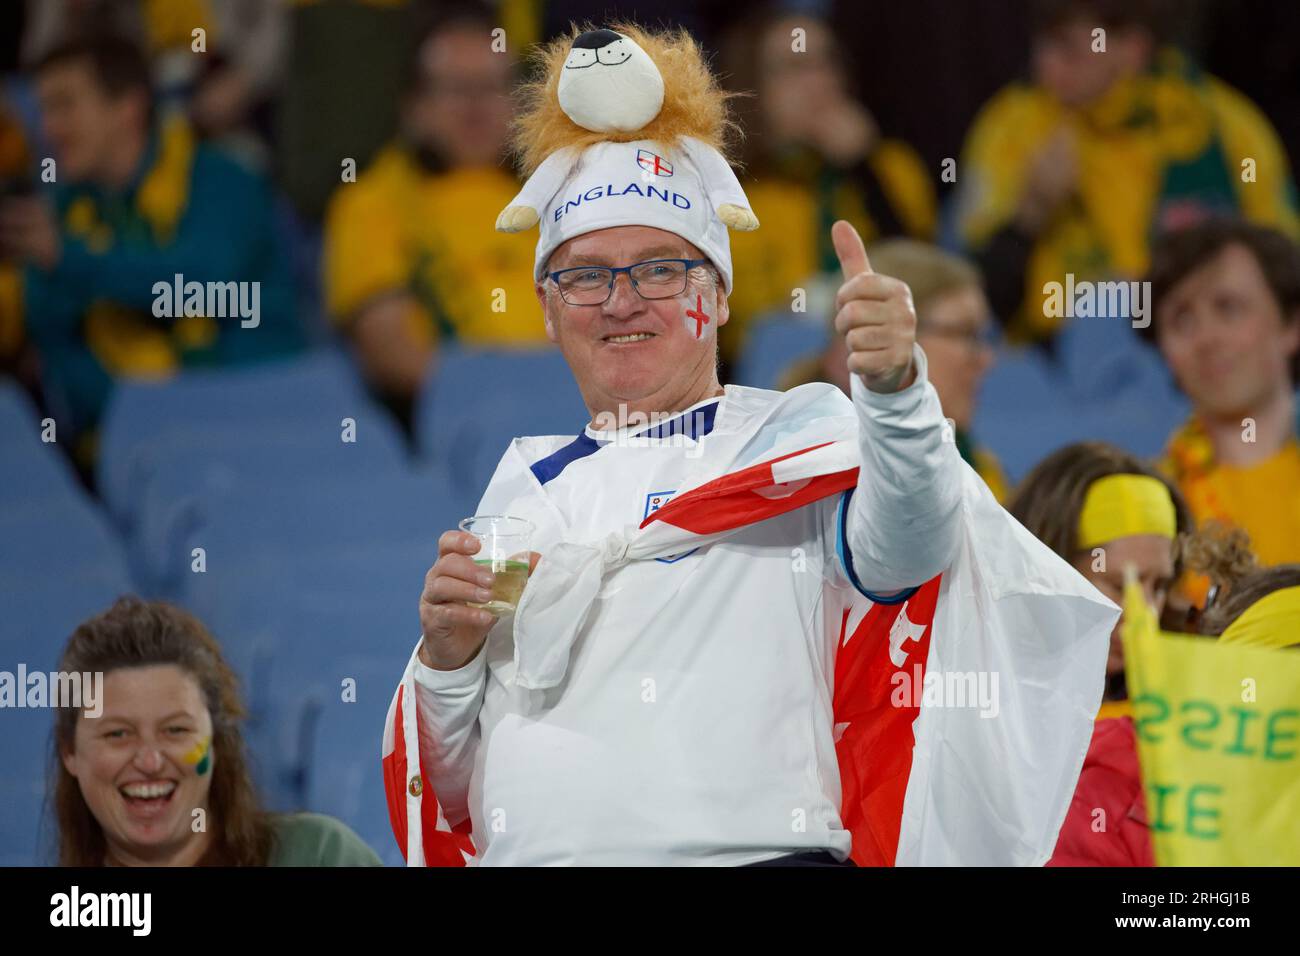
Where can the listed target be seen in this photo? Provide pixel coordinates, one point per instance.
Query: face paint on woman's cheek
(696, 318)
(200, 756)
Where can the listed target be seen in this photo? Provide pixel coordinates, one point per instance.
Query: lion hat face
(625, 126)
(609, 84)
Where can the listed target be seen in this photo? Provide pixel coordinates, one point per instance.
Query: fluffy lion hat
(626, 127)
(694, 104)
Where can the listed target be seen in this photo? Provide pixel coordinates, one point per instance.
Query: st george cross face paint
(697, 319)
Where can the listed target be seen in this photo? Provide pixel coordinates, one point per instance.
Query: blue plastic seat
(330, 514)
(26, 828)
(1103, 356)
(58, 565)
(344, 776)
(196, 472)
(776, 342)
(477, 400)
(32, 472)
(317, 390)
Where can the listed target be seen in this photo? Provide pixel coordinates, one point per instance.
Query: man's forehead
(623, 244)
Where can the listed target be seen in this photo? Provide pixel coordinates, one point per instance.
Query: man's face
(462, 108)
(81, 120)
(1065, 65)
(1152, 557)
(130, 761)
(1224, 336)
(951, 331)
(660, 367)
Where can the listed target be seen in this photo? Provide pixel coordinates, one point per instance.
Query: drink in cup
(504, 551)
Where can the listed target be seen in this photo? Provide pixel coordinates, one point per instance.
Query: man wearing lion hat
(761, 627)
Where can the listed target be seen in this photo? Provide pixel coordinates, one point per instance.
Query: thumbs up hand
(874, 313)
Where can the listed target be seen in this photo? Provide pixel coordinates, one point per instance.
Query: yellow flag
(1218, 730)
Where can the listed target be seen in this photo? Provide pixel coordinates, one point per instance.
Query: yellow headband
(1272, 621)
(1118, 506)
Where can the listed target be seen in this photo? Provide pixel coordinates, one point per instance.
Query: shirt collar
(693, 422)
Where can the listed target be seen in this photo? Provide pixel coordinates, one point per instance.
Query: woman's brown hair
(136, 633)
(1050, 499)
(1245, 590)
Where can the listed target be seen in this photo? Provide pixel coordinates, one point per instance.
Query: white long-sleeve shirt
(693, 725)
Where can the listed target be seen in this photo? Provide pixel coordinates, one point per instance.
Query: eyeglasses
(652, 279)
(990, 336)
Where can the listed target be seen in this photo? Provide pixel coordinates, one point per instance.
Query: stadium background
(314, 547)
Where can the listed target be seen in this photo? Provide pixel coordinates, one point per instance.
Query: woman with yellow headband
(1102, 509)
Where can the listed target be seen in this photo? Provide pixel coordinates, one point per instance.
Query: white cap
(634, 184)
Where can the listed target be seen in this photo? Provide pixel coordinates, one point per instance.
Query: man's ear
(721, 309)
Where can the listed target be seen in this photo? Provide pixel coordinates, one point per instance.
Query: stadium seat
(26, 733)
(1022, 412)
(26, 829)
(33, 473)
(343, 766)
(195, 471)
(773, 344)
(1103, 357)
(477, 400)
(305, 392)
(327, 515)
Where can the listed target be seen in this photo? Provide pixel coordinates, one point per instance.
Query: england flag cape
(920, 785)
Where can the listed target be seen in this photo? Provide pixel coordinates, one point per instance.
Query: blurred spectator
(163, 30)
(1261, 609)
(813, 154)
(1101, 527)
(1075, 171)
(138, 203)
(218, 59)
(232, 90)
(1226, 317)
(412, 256)
(1101, 509)
(127, 782)
(953, 327)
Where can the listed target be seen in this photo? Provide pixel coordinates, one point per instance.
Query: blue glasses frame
(614, 274)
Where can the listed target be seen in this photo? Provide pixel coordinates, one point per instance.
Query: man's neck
(120, 167)
(613, 411)
(1236, 442)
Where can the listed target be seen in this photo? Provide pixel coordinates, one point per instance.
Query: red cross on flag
(654, 163)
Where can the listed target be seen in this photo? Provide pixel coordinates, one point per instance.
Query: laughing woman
(159, 778)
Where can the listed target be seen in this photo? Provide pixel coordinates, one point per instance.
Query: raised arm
(901, 527)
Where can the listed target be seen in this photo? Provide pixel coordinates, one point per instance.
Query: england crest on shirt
(653, 502)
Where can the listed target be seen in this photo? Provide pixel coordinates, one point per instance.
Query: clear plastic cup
(505, 550)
